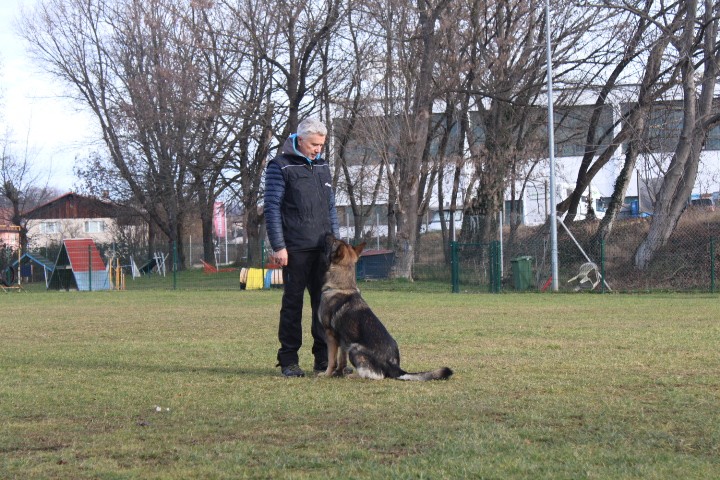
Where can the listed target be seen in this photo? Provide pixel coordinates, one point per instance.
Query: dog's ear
(340, 250)
(359, 248)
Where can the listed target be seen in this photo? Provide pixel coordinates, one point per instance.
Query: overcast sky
(32, 106)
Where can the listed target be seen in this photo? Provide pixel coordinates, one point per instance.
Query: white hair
(311, 126)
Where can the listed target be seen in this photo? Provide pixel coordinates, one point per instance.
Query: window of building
(379, 215)
(49, 227)
(713, 140)
(664, 125)
(439, 130)
(514, 212)
(371, 139)
(94, 226)
(571, 125)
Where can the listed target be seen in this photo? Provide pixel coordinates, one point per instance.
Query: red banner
(219, 219)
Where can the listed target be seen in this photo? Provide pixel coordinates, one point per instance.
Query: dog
(352, 329)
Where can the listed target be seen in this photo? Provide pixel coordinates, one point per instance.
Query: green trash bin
(522, 273)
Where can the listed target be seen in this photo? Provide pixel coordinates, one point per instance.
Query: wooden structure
(35, 259)
(72, 205)
(79, 266)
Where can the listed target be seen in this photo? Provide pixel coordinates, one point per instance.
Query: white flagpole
(551, 150)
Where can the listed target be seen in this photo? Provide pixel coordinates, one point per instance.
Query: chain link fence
(521, 262)
(687, 262)
(85, 265)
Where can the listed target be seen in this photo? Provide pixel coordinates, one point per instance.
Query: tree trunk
(254, 223)
(207, 237)
(621, 184)
(179, 251)
(359, 222)
(415, 137)
(682, 172)
(391, 222)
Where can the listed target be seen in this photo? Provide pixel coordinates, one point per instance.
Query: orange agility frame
(209, 268)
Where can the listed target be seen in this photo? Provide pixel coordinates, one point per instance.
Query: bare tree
(508, 41)
(22, 185)
(296, 31)
(456, 75)
(698, 56)
(411, 33)
(150, 74)
(658, 78)
(637, 47)
(230, 100)
(624, 45)
(358, 175)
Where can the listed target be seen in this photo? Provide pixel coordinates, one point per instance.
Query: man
(299, 212)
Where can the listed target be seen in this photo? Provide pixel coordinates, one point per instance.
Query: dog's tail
(439, 374)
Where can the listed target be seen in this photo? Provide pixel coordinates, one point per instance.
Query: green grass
(546, 386)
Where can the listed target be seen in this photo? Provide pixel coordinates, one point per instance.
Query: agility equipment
(258, 278)
(588, 277)
(116, 274)
(209, 268)
(35, 259)
(79, 266)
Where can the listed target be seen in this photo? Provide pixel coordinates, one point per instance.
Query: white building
(663, 124)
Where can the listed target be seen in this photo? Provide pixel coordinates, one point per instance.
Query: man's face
(311, 145)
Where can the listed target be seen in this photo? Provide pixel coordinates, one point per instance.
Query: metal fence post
(491, 260)
(495, 266)
(454, 274)
(498, 279)
(175, 263)
(712, 265)
(602, 265)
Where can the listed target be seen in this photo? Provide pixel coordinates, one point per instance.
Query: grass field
(177, 384)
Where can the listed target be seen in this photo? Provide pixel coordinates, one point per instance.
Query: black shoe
(320, 367)
(293, 370)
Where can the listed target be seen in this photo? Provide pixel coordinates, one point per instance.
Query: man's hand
(281, 257)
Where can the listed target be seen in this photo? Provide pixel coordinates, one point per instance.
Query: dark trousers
(305, 269)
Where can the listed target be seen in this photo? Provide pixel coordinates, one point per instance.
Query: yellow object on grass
(255, 280)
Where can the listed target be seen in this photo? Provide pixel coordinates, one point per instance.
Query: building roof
(71, 205)
(37, 259)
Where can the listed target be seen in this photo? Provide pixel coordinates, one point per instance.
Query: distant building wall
(44, 232)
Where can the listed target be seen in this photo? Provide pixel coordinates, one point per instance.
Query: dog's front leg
(342, 357)
(332, 348)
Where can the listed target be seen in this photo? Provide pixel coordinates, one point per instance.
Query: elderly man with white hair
(299, 213)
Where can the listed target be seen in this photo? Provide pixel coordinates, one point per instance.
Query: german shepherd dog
(352, 329)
